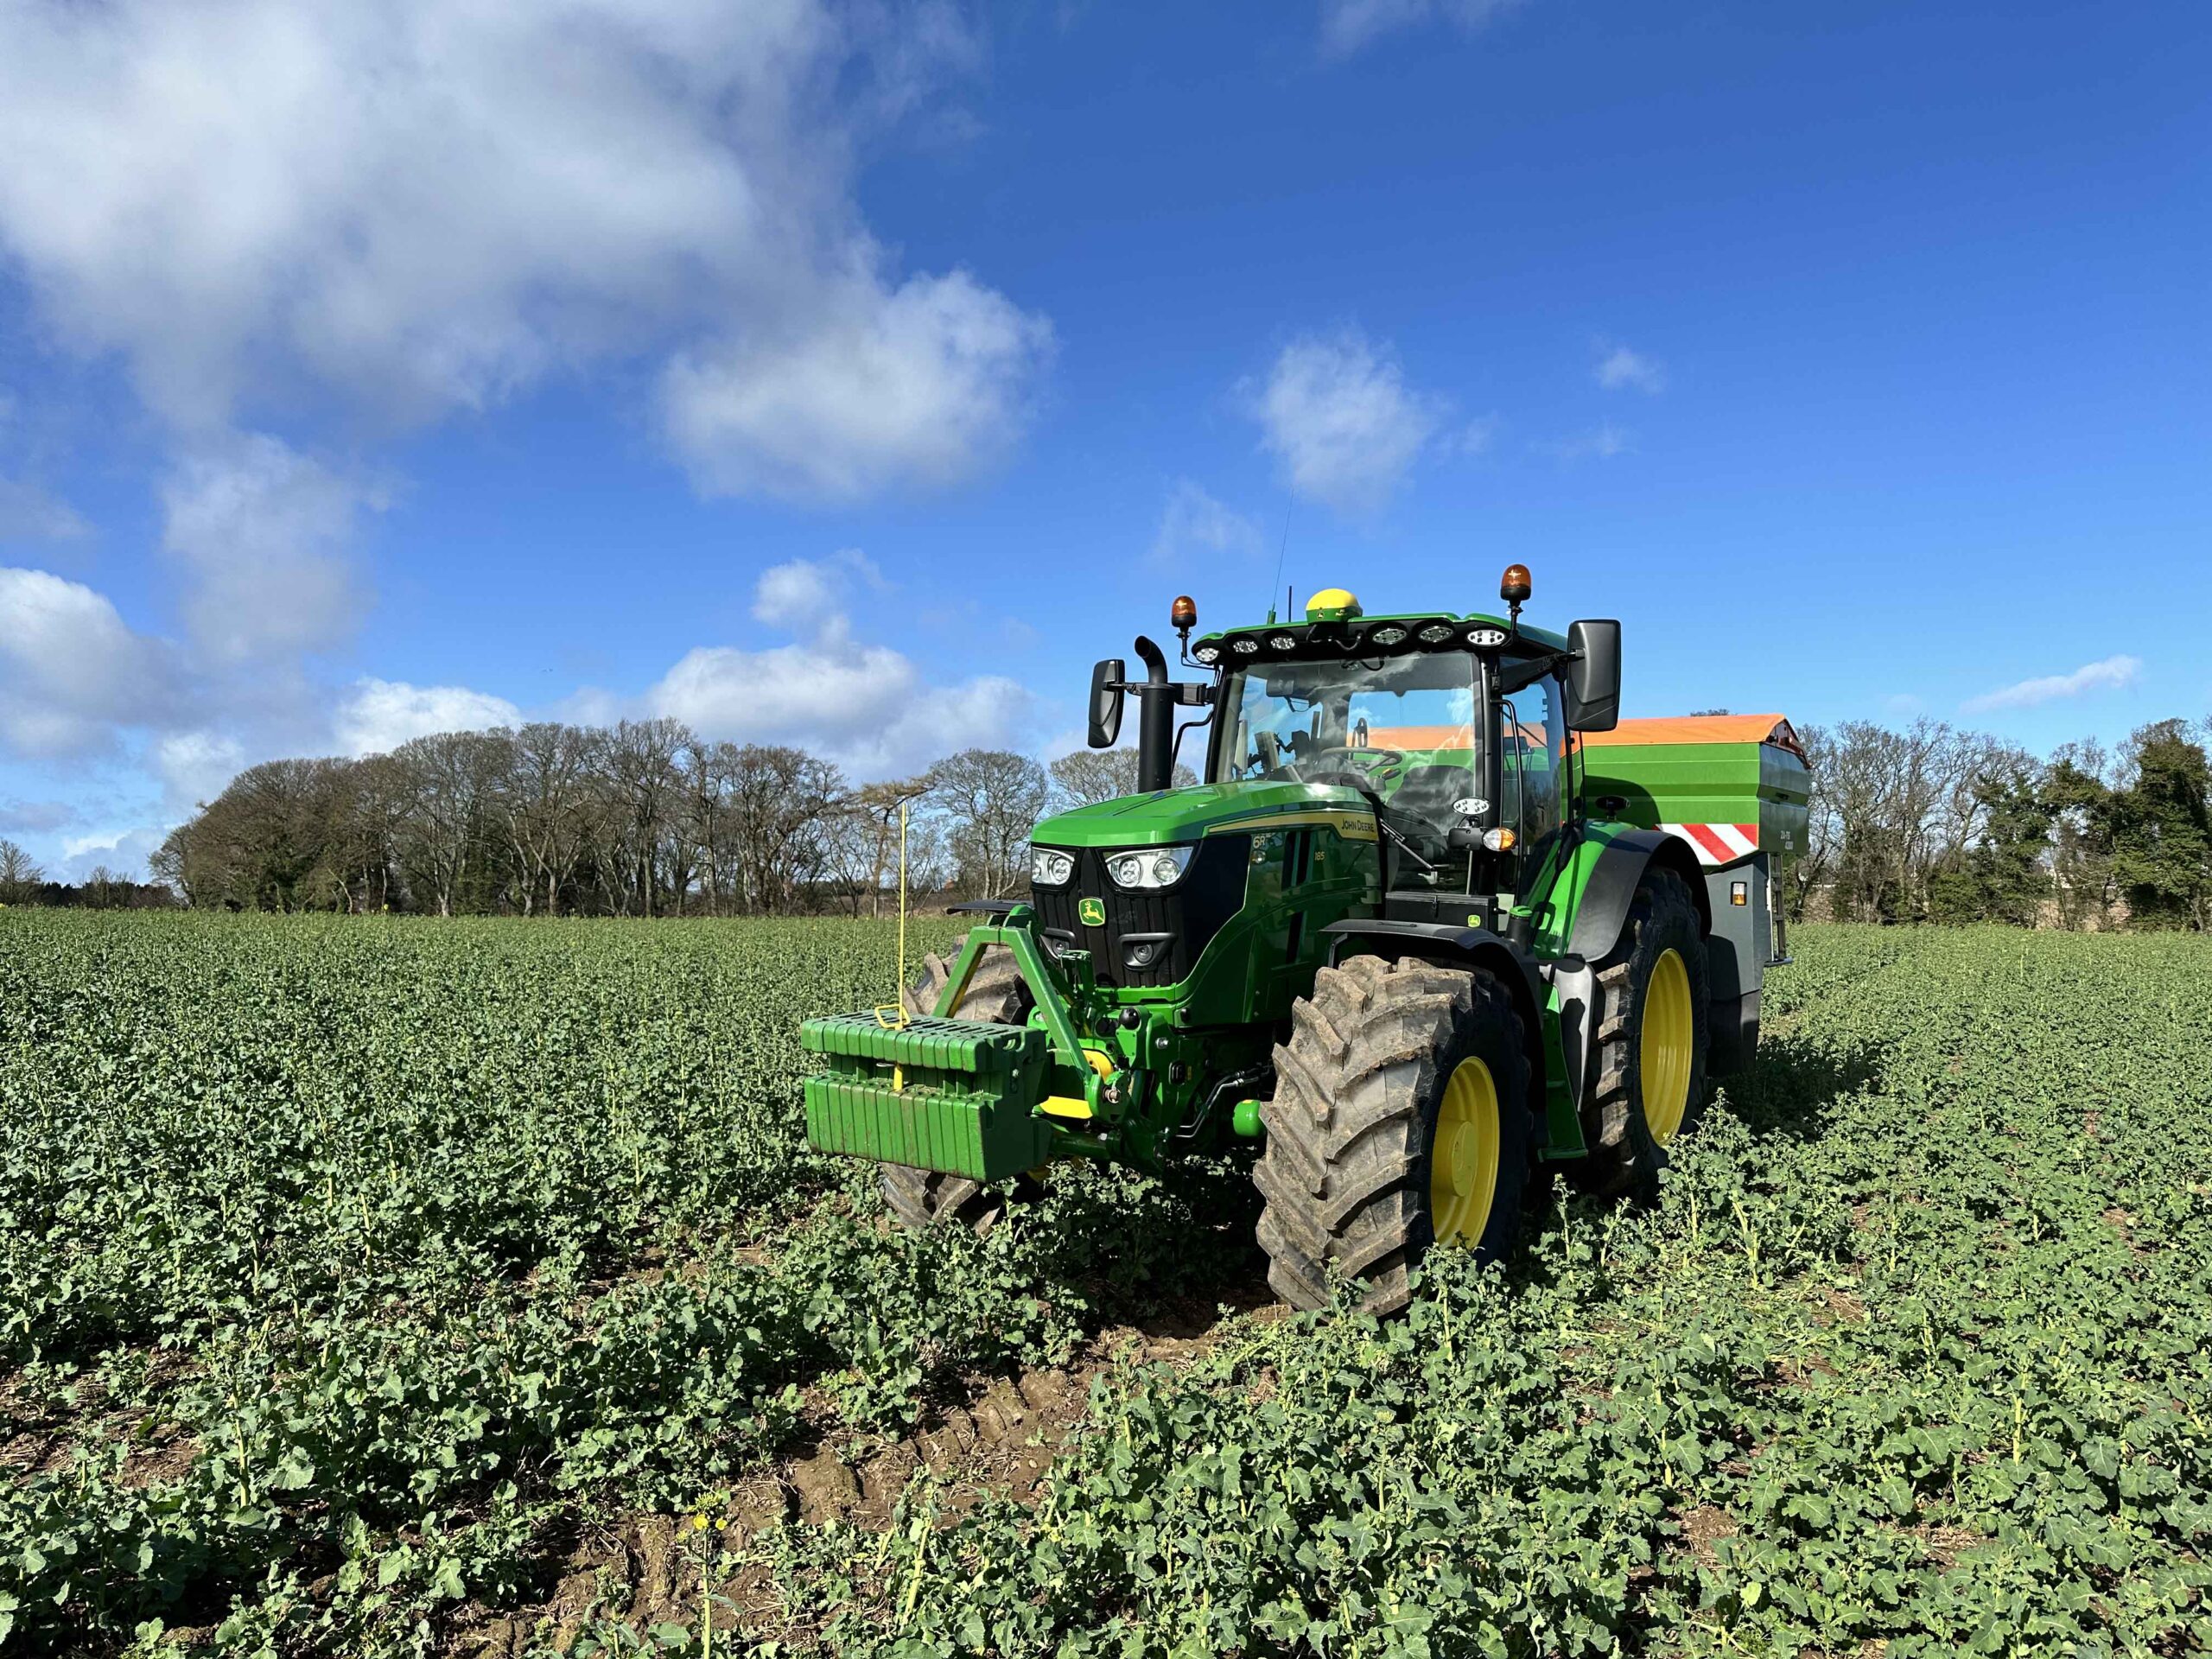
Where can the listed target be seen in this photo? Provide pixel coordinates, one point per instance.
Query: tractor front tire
(996, 994)
(1401, 1114)
(1653, 1020)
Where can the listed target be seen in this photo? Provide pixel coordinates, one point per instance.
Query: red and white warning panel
(1718, 844)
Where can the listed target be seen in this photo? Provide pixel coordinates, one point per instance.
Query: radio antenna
(1281, 554)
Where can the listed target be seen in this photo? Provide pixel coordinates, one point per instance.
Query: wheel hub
(1460, 1159)
(1464, 1155)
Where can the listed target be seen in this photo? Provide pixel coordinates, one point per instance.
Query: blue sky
(853, 375)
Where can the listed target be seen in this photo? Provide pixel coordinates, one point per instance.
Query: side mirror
(1106, 702)
(1594, 677)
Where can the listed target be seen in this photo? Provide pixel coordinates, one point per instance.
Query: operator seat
(1421, 810)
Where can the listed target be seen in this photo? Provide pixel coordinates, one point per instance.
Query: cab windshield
(1402, 729)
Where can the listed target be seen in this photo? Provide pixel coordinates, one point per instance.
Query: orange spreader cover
(1701, 728)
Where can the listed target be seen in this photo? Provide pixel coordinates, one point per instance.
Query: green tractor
(1434, 919)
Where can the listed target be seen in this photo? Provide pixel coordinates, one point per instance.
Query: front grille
(1192, 912)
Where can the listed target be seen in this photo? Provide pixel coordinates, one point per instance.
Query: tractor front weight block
(958, 1095)
(966, 1096)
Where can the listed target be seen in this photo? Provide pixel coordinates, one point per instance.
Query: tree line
(1931, 824)
(1920, 824)
(644, 818)
(22, 882)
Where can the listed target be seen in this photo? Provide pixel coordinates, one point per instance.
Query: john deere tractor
(1434, 920)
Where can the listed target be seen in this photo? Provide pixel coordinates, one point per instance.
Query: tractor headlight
(1208, 654)
(1148, 867)
(1389, 634)
(1050, 869)
(1484, 638)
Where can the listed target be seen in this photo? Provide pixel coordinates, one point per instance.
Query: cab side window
(1535, 759)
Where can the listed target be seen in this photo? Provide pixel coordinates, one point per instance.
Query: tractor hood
(1184, 814)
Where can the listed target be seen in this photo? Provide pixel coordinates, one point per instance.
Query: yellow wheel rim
(1669, 1032)
(1463, 1159)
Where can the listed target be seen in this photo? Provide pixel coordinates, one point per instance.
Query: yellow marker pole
(898, 1072)
(902, 904)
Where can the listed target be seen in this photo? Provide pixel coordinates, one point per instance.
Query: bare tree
(450, 781)
(992, 798)
(1085, 776)
(543, 805)
(645, 782)
(864, 840)
(20, 877)
(779, 804)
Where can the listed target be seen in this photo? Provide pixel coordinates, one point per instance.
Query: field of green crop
(376, 1286)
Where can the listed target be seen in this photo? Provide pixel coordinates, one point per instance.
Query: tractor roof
(1355, 635)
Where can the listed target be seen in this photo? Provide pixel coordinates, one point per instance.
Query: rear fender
(1602, 910)
(1600, 916)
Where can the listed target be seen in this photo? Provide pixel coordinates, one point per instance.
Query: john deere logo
(1093, 913)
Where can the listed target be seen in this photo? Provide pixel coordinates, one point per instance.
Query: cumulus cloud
(369, 218)
(922, 384)
(1337, 416)
(868, 706)
(194, 766)
(806, 596)
(378, 715)
(261, 530)
(1348, 25)
(71, 670)
(2111, 674)
(1620, 368)
(413, 207)
(1194, 523)
(122, 851)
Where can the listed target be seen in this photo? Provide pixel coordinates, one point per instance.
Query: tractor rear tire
(1647, 1072)
(996, 994)
(1354, 1172)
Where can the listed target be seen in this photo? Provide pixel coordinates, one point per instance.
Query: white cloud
(868, 706)
(1193, 522)
(29, 513)
(2111, 674)
(194, 766)
(923, 385)
(71, 670)
(1337, 414)
(381, 715)
(865, 707)
(1601, 442)
(371, 217)
(415, 206)
(261, 529)
(1347, 25)
(804, 595)
(1620, 368)
(122, 851)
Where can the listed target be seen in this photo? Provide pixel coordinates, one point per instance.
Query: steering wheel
(1364, 767)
